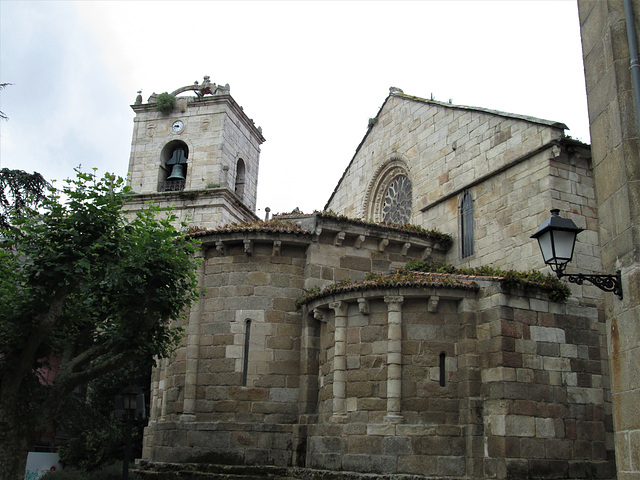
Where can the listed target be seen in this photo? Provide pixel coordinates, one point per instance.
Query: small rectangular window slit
(245, 360)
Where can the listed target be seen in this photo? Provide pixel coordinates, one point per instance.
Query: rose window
(397, 201)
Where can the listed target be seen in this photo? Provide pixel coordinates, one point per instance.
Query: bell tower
(199, 154)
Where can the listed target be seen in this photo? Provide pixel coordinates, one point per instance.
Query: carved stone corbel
(339, 238)
(405, 249)
(363, 306)
(382, 244)
(248, 247)
(316, 234)
(277, 245)
(432, 306)
(318, 314)
(359, 241)
(221, 249)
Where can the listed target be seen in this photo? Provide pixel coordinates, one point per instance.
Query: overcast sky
(310, 73)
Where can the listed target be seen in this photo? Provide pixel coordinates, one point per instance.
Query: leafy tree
(83, 290)
(2, 114)
(94, 437)
(20, 192)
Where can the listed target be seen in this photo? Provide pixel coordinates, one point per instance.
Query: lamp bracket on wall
(608, 283)
(557, 238)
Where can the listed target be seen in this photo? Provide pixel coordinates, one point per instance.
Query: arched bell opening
(240, 178)
(173, 166)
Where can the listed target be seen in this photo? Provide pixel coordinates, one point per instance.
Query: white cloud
(310, 73)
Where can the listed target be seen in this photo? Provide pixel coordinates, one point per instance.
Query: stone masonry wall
(547, 410)
(510, 206)
(152, 131)
(239, 143)
(425, 435)
(262, 288)
(512, 168)
(204, 209)
(443, 147)
(525, 392)
(613, 122)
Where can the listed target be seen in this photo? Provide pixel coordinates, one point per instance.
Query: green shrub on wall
(165, 103)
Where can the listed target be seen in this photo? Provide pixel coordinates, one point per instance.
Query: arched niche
(172, 173)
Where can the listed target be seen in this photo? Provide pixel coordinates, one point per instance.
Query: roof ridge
(528, 118)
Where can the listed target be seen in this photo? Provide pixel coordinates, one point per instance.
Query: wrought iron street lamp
(557, 238)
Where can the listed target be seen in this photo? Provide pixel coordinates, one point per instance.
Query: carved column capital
(339, 308)
(394, 302)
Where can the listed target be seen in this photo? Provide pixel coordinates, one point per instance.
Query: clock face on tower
(177, 126)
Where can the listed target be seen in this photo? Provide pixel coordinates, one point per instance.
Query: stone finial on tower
(393, 90)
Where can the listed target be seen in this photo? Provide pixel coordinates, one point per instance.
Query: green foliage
(94, 437)
(109, 472)
(413, 275)
(273, 224)
(66, 474)
(88, 288)
(165, 103)
(3, 116)
(558, 291)
(20, 193)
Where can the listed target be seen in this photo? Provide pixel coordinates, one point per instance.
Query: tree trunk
(14, 446)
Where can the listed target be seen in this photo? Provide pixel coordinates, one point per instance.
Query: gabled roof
(396, 92)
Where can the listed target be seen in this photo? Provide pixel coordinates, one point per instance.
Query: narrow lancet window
(466, 224)
(443, 357)
(245, 359)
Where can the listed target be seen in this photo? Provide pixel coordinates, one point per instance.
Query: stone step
(197, 471)
(207, 471)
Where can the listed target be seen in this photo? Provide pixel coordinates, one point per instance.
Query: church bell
(176, 173)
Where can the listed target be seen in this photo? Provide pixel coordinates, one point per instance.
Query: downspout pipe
(633, 56)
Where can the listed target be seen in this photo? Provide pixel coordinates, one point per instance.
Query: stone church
(296, 360)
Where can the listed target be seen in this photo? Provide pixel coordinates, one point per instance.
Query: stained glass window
(397, 201)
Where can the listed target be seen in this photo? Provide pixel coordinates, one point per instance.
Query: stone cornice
(203, 102)
(200, 197)
(443, 292)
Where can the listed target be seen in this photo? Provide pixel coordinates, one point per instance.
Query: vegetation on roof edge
(269, 225)
(532, 280)
(411, 276)
(165, 103)
(402, 278)
(444, 239)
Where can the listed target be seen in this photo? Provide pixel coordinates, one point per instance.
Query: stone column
(154, 400)
(193, 347)
(339, 362)
(162, 387)
(394, 359)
